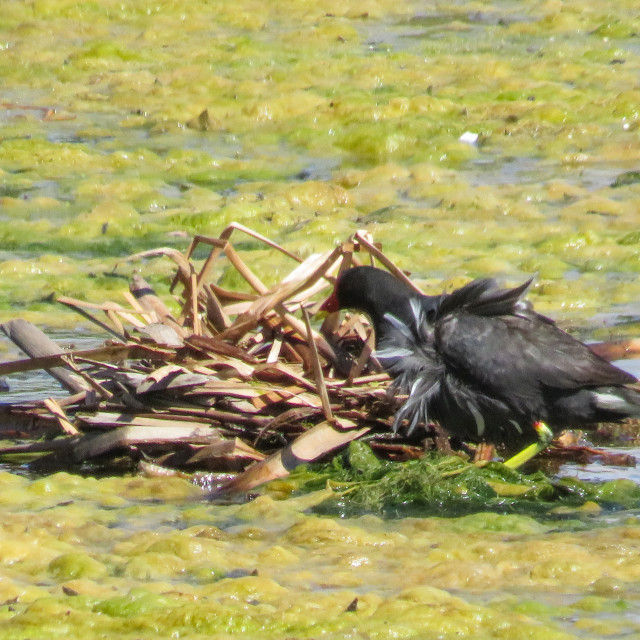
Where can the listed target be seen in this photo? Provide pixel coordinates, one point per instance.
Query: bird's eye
(431, 315)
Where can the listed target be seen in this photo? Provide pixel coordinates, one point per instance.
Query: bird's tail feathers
(483, 297)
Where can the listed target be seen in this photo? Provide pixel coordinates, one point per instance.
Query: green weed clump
(449, 485)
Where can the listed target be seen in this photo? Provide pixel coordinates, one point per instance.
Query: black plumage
(481, 362)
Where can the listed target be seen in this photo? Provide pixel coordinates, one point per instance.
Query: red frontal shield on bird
(331, 303)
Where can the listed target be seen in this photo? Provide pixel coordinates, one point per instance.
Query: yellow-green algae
(308, 120)
(138, 558)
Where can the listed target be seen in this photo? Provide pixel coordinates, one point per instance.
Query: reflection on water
(30, 385)
(598, 472)
(493, 168)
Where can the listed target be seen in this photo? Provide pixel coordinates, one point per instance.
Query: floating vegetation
(239, 384)
(451, 486)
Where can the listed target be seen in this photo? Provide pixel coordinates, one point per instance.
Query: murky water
(598, 472)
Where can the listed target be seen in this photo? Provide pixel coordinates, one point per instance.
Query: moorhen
(481, 362)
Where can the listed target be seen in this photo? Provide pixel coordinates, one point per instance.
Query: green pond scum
(146, 558)
(450, 485)
(472, 139)
(131, 125)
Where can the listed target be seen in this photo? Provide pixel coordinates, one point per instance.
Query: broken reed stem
(244, 271)
(216, 314)
(67, 302)
(132, 300)
(195, 316)
(357, 368)
(57, 411)
(213, 256)
(274, 352)
(317, 369)
(113, 316)
(236, 226)
(96, 386)
(220, 245)
(374, 251)
(364, 380)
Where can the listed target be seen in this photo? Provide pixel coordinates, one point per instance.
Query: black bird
(481, 362)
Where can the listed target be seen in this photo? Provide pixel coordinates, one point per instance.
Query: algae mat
(473, 138)
(143, 558)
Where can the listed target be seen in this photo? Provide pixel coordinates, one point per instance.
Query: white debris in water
(469, 137)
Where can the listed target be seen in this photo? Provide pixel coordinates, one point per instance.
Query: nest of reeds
(238, 383)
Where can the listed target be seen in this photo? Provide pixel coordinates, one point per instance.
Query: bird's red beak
(331, 304)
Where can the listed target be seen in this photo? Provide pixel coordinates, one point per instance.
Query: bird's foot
(545, 435)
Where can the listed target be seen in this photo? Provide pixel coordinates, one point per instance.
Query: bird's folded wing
(519, 354)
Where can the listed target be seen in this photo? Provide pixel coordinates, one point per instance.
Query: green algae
(138, 602)
(73, 565)
(161, 132)
(451, 486)
(268, 569)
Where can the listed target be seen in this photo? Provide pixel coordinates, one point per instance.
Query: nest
(238, 384)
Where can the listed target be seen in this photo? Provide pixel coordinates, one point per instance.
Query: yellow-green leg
(545, 436)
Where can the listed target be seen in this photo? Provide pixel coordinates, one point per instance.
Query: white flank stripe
(609, 402)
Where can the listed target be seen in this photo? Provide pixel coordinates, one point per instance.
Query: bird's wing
(406, 351)
(404, 337)
(517, 356)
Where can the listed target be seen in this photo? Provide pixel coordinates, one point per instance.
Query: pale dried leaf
(171, 377)
(91, 446)
(162, 334)
(64, 422)
(232, 448)
(108, 419)
(310, 446)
